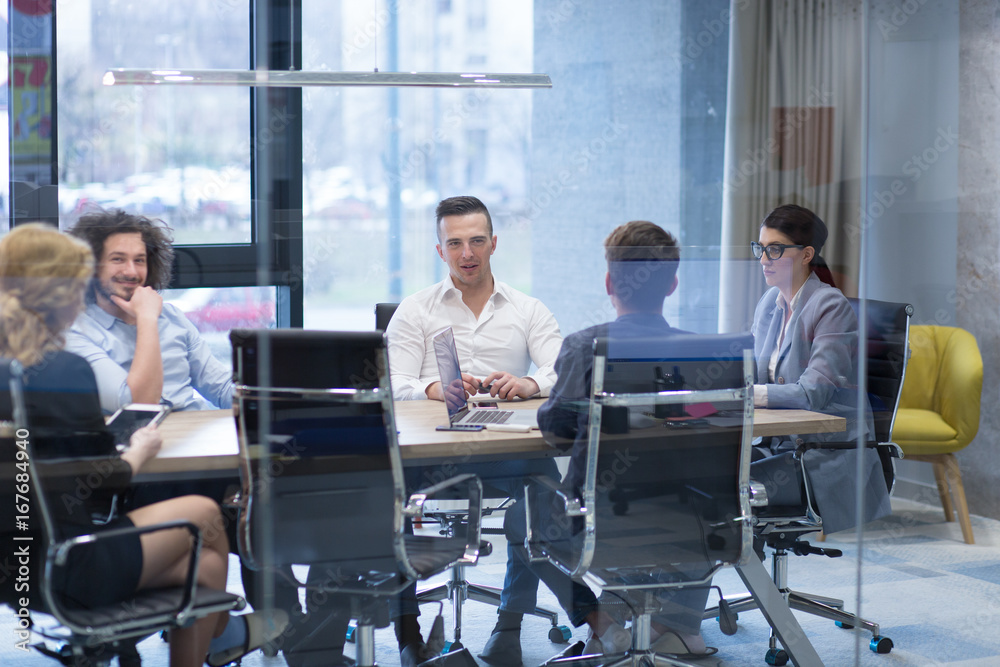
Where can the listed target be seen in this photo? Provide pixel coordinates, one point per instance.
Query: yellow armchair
(939, 409)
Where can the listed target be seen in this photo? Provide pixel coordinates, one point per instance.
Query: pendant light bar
(295, 79)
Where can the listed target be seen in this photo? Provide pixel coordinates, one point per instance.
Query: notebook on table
(460, 413)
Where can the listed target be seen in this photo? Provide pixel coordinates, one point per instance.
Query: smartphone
(134, 416)
(460, 427)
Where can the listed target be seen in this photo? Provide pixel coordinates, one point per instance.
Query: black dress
(65, 421)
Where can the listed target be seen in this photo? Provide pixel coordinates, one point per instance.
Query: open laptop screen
(446, 355)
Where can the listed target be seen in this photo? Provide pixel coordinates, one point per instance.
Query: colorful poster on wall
(31, 107)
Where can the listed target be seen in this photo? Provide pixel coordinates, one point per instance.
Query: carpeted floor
(937, 598)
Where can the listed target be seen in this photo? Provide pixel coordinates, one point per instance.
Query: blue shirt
(192, 378)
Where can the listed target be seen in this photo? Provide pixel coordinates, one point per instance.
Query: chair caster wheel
(776, 656)
(880, 644)
(841, 624)
(560, 634)
(352, 633)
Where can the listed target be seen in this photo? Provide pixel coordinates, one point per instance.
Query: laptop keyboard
(488, 416)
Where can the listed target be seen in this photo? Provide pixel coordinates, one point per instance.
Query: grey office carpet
(935, 596)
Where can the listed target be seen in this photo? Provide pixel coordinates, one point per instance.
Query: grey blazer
(817, 370)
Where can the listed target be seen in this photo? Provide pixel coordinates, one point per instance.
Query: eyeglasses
(774, 251)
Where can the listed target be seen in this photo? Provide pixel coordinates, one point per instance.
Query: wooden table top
(205, 441)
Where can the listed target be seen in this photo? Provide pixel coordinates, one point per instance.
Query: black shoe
(503, 648)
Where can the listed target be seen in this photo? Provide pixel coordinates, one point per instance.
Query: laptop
(459, 412)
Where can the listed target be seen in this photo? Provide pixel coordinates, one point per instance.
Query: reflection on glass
(217, 310)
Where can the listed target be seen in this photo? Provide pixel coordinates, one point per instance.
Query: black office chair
(782, 527)
(322, 475)
(683, 479)
(35, 477)
(887, 352)
(383, 313)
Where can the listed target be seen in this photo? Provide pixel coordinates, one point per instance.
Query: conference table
(203, 443)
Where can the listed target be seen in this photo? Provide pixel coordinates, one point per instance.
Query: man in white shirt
(499, 333)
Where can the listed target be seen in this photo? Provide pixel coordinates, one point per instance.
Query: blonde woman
(43, 275)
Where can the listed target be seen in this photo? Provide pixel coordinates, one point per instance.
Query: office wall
(977, 294)
(911, 218)
(632, 128)
(606, 142)
(935, 241)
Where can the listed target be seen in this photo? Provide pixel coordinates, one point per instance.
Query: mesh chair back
(320, 463)
(667, 473)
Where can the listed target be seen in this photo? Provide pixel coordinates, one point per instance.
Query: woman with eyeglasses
(806, 348)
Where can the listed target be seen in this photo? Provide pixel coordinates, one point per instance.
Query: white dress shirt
(513, 331)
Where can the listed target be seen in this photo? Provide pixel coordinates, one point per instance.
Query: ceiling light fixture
(297, 78)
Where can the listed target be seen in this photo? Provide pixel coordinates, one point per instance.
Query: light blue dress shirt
(192, 378)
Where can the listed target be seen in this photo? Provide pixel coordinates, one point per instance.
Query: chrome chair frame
(95, 636)
(369, 586)
(458, 589)
(782, 532)
(584, 508)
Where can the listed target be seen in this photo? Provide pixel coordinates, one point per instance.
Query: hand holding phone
(144, 445)
(134, 416)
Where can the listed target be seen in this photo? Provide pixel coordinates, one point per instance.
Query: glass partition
(930, 228)
(700, 116)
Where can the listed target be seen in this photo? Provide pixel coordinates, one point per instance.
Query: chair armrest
(415, 508)
(59, 554)
(573, 506)
(758, 494)
(540, 490)
(850, 444)
(415, 504)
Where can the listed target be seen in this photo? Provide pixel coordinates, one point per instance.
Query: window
(179, 154)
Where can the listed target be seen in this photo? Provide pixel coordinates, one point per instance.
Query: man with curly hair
(141, 349)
